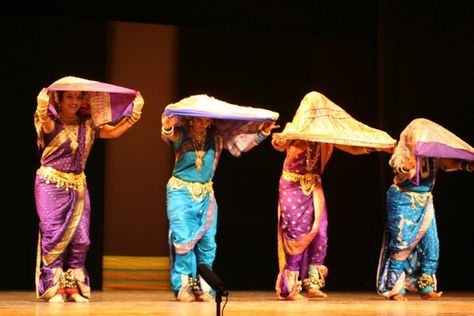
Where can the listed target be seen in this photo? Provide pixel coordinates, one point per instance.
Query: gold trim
(419, 198)
(197, 190)
(306, 180)
(62, 179)
(54, 144)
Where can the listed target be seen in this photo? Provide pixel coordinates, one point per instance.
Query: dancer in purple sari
(66, 133)
(303, 218)
(318, 127)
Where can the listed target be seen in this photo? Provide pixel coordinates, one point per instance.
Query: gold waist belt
(306, 180)
(417, 197)
(197, 190)
(62, 179)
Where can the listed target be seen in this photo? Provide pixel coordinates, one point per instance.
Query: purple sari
(63, 208)
(302, 220)
(61, 194)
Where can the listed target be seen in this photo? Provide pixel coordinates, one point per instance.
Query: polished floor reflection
(242, 303)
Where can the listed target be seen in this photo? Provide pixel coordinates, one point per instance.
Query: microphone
(212, 279)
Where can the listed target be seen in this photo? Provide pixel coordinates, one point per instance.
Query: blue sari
(410, 250)
(192, 208)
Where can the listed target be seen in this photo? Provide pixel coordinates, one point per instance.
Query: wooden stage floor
(242, 303)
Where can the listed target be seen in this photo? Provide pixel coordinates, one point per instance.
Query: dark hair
(61, 93)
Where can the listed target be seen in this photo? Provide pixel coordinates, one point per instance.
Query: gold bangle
(264, 133)
(401, 169)
(130, 121)
(42, 115)
(135, 117)
(41, 111)
(166, 132)
(465, 166)
(137, 112)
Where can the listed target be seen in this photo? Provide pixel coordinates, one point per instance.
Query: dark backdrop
(36, 51)
(385, 64)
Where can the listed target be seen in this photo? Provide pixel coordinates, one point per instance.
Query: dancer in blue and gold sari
(410, 250)
(191, 205)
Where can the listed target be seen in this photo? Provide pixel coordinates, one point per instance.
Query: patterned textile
(411, 246)
(63, 208)
(302, 217)
(424, 138)
(318, 119)
(61, 193)
(206, 106)
(192, 219)
(317, 128)
(237, 125)
(410, 249)
(192, 207)
(108, 103)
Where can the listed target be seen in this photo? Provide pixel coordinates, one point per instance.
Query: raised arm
(168, 133)
(264, 131)
(279, 144)
(114, 131)
(455, 165)
(47, 124)
(405, 170)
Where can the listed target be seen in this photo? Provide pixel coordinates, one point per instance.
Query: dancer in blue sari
(410, 251)
(191, 204)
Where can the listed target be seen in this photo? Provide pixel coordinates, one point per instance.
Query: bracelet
(134, 118)
(465, 166)
(130, 121)
(260, 137)
(264, 133)
(42, 115)
(401, 169)
(137, 112)
(166, 132)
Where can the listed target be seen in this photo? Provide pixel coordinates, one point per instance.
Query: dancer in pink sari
(65, 121)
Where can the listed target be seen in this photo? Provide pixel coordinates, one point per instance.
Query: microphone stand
(218, 302)
(219, 293)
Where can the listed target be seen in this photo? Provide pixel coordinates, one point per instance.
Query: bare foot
(58, 298)
(399, 297)
(185, 297)
(297, 297)
(316, 293)
(431, 295)
(204, 298)
(78, 298)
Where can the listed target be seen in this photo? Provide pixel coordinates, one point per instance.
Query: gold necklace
(311, 161)
(199, 149)
(199, 141)
(71, 127)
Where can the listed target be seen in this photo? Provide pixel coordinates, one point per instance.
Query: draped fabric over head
(108, 103)
(425, 138)
(237, 124)
(318, 119)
